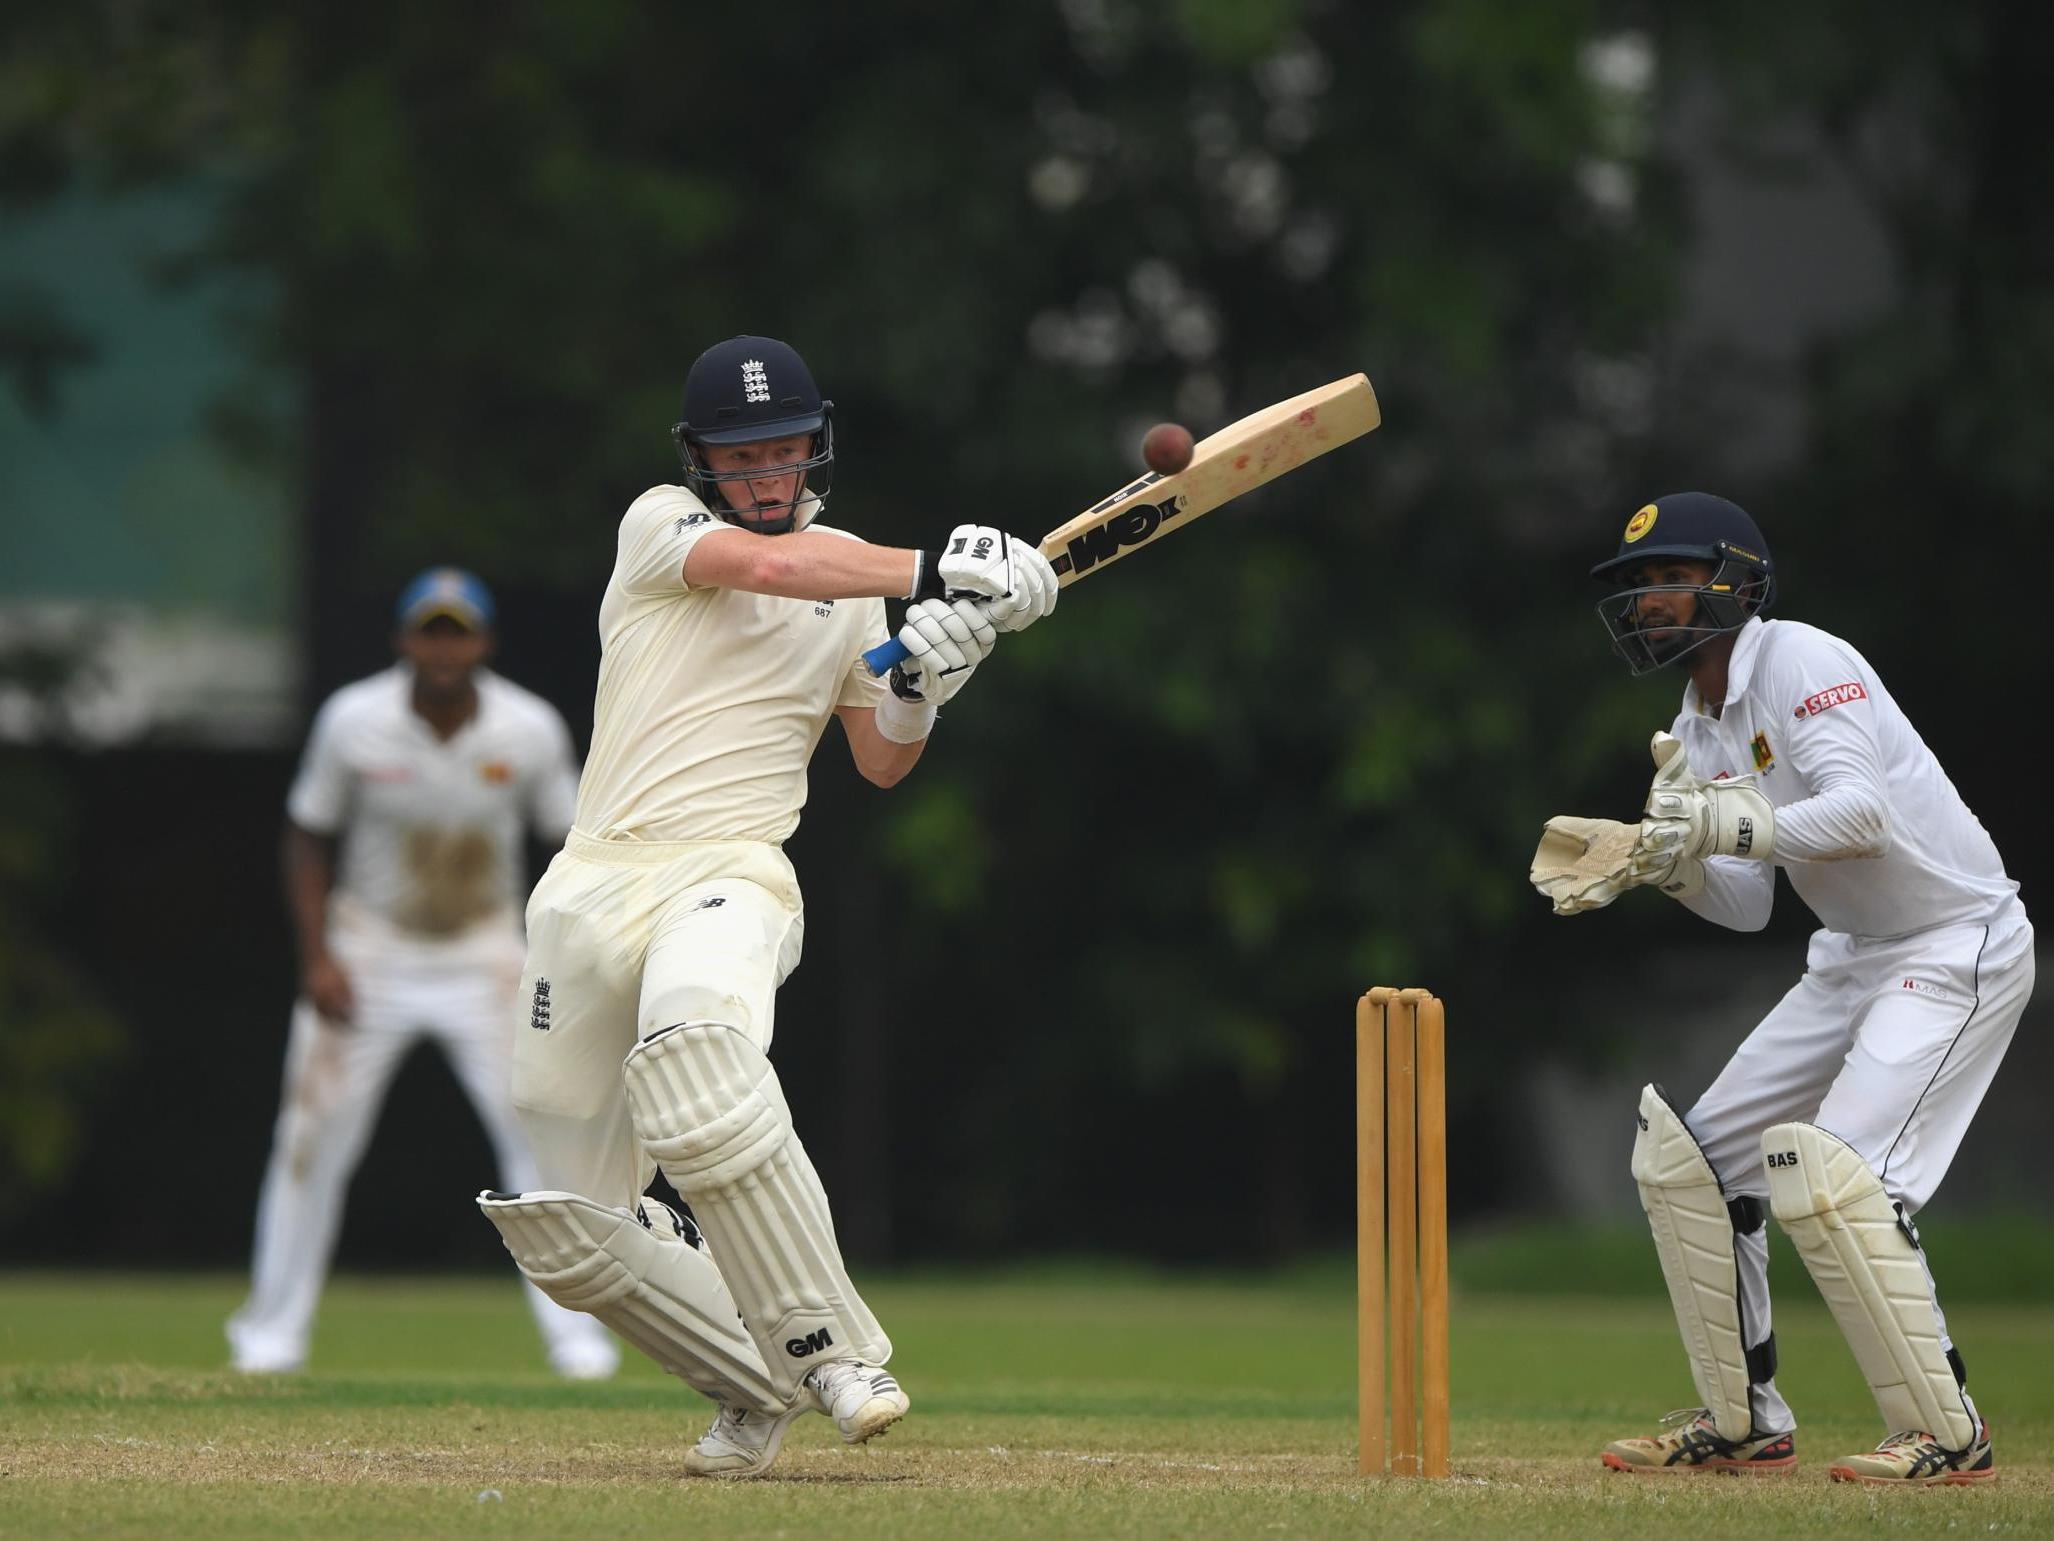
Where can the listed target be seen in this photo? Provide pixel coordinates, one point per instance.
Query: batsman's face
(444, 653)
(763, 486)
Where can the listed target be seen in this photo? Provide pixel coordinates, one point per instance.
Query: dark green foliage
(1302, 749)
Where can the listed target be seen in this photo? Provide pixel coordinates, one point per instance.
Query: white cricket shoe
(266, 1364)
(741, 1443)
(255, 1354)
(863, 1399)
(596, 1359)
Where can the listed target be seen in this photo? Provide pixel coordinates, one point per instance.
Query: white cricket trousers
(1888, 1043)
(626, 938)
(459, 992)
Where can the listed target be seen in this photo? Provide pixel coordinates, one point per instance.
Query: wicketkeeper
(1840, 1112)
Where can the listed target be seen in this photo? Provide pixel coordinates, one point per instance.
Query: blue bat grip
(880, 658)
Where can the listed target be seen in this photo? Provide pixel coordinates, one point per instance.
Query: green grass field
(1055, 1402)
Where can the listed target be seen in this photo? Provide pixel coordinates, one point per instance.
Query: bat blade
(1236, 460)
(1239, 458)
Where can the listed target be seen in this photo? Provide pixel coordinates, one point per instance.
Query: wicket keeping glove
(1583, 864)
(1688, 818)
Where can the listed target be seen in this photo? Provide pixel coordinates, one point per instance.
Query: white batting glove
(1035, 594)
(980, 561)
(1692, 818)
(945, 641)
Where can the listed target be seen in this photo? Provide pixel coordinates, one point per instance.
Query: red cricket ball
(1166, 448)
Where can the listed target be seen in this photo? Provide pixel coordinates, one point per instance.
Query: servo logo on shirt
(1837, 695)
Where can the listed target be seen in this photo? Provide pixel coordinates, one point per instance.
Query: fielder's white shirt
(1875, 838)
(431, 828)
(712, 700)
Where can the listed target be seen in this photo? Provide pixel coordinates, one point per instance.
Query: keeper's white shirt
(1875, 838)
(711, 700)
(431, 828)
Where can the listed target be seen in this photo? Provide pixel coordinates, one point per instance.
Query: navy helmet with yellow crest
(1686, 527)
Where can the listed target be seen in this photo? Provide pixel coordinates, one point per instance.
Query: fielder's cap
(446, 591)
(750, 388)
(1696, 525)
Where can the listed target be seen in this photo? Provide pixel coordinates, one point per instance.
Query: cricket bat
(1239, 458)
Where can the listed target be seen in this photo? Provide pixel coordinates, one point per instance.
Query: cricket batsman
(731, 631)
(427, 776)
(1840, 1112)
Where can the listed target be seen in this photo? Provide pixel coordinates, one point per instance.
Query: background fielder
(732, 631)
(428, 773)
(1842, 1110)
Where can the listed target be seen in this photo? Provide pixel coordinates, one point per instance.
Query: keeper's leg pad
(708, 1107)
(1693, 1226)
(1864, 1257)
(659, 1292)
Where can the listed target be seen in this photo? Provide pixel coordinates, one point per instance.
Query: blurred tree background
(1305, 749)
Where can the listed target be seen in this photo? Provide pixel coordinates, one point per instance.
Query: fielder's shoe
(254, 1354)
(594, 1359)
(1915, 1459)
(262, 1364)
(862, 1399)
(741, 1443)
(1688, 1443)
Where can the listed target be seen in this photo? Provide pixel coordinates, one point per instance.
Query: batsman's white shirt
(711, 700)
(1924, 962)
(673, 900)
(432, 828)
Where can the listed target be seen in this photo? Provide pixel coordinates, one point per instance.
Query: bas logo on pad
(1837, 695)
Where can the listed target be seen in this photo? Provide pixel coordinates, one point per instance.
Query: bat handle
(888, 652)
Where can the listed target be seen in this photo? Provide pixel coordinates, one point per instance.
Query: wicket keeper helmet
(1699, 527)
(742, 391)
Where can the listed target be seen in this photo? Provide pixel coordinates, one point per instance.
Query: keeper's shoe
(742, 1442)
(863, 1399)
(1688, 1443)
(1915, 1459)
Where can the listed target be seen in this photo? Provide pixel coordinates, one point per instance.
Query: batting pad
(660, 1293)
(1867, 1266)
(708, 1107)
(1693, 1229)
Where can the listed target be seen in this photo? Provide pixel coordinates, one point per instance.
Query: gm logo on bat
(1130, 527)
